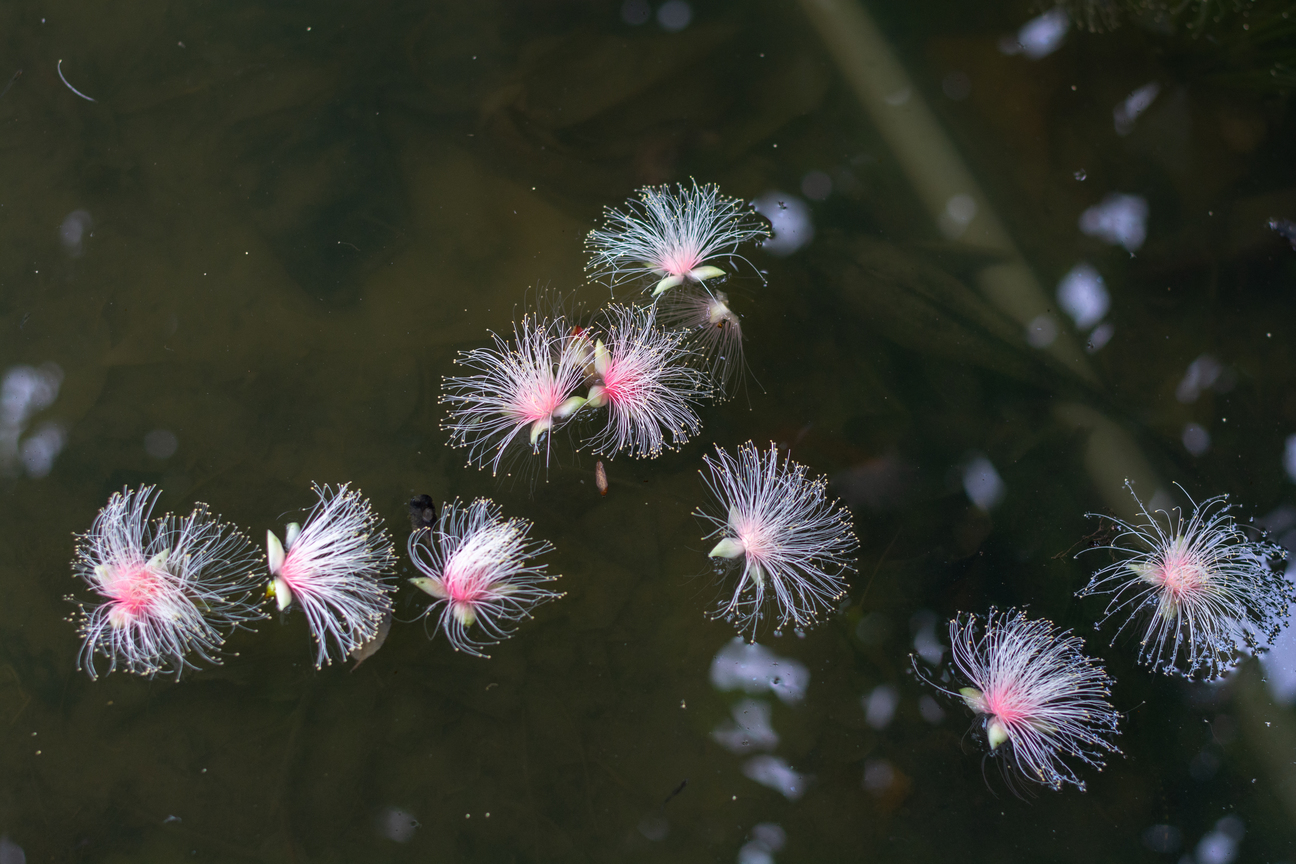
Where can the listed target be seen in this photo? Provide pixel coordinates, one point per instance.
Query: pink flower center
(1006, 704)
(1179, 574)
(624, 381)
(133, 591)
(754, 536)
(538, 401)
(466, 586)
(679, 261)
(296, 571)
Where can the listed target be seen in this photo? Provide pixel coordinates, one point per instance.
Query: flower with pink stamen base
(1038, 698)
(337, 570)
(795, 543)
(1206, 591)
(171, 587)
(644, 376)
(672, 235)
(477, 566)
(713, 327)
(529, 385)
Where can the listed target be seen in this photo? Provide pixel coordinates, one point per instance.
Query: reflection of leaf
(921, 307)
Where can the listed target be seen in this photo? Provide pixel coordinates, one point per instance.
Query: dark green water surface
(293, 215)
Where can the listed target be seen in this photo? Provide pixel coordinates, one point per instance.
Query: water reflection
(1220, 846)
(982, 483)
(755, 669)
(397, 824)
(750, 729)
(74, 231)
(26, 391)
(11, 852)
(1203, 374)
(791, 218)
(925, 641)
(1163, 839)
(767, 838)
(1118, 219)
(880, 706)
(879, 776)
(930, 710)
(1083, 295)
(1040, 36)
(674, 15)
(1196, 440)
(777, 774)
(1125, 113)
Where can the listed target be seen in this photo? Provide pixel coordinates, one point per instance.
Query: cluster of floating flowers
(1202, 592)
(169, 590)
(648, 365)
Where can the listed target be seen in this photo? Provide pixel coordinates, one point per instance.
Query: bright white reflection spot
(880, 706)
(1083, 295)
(636, 12)
(790, 217)
(749, 730)
(777, 774)
(754, 669)
(878, 776)
(1100, 336)
(816, 185)
(982, 483)
(1118, 219)
(1201, 375)
(930, 710)
(73, 232)
(1162, 839)
(1124, 114)
(959, 211)
(161, 443)
(1040, 36)
(11, 852)
(25, 391)
(1196, 439)
(1289, 457)
(674, 15)
(1221, 845)
(1042, 330)
(925, 641)
(957, 86)
(767, 838)
(397, 824)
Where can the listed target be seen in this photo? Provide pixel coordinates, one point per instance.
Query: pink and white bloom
(337, 570)
(169, 589)
(796, 544)
(478, 567)
(645, 377)
(675, 235)
(1038, 698)
(713, 328)
(527, 387)
(1202, 593)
